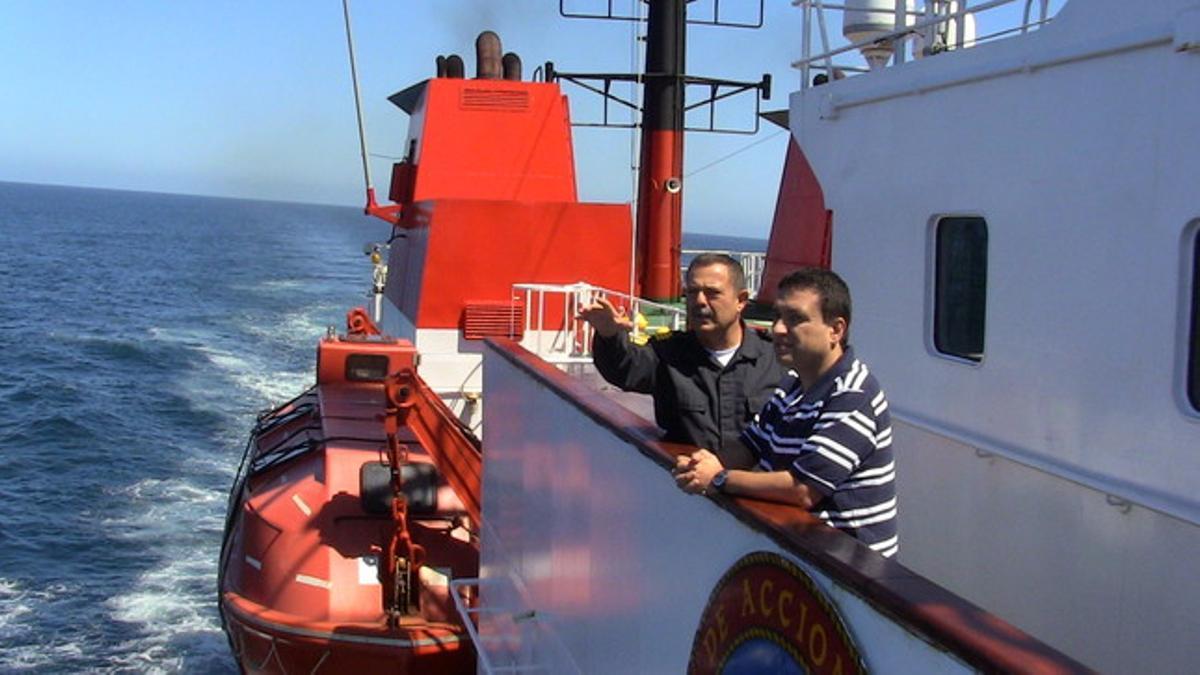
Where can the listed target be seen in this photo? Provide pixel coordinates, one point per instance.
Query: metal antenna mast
(662, 109)
(362, 132)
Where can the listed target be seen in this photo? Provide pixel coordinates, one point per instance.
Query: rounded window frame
(931, 287)
(1187, 380)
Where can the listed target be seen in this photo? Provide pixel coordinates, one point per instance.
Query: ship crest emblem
(767, 616)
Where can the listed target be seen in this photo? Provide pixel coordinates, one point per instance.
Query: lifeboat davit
(353, 510)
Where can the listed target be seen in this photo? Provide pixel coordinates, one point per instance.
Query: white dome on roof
(872, 19)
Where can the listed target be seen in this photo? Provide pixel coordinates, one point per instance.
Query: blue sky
(253, 99)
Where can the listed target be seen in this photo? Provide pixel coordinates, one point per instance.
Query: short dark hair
(736, 274)
(834, 293)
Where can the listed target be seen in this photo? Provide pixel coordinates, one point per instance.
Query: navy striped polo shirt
(837, 438)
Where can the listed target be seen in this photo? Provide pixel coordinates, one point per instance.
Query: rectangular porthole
(960, 287)
(1193, 377)
(366, 367)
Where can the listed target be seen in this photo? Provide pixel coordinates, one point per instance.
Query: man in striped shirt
(824, 440)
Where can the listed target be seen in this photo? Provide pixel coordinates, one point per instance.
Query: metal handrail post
(806, 46)
(528, 311)
(541, 316)
(960, 23)
(960, 12)
(825, 39)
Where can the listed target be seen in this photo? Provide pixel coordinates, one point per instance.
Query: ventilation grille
(499, 319)
(494, 99)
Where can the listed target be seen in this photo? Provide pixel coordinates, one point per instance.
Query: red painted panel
(801, 233)
(476, 250)
(493, 139)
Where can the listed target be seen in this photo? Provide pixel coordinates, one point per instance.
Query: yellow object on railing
(646, 332)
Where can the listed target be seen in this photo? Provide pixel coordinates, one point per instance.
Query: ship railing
(510, 635)
(496, 653)
(753, 264)
(936, 26)
(563, 338)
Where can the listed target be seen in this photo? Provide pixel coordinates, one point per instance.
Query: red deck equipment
(328, 566)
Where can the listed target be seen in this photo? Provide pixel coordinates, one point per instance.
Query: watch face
(718, 480)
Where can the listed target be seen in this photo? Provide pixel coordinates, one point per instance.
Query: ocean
(140, 333)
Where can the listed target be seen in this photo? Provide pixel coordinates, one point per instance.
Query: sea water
(140, 333)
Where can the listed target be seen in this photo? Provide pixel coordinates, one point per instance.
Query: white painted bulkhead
(1053, 482)
(450, 365)
(594, 562)
(453, 365)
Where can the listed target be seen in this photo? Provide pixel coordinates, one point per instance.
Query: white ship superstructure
(1018, 221)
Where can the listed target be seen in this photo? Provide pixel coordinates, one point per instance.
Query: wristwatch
(718, 481)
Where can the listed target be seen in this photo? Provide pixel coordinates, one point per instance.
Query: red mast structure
(664, 82)
(660, 181)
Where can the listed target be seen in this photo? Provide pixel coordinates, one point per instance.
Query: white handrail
(930, 19)
(570, 340)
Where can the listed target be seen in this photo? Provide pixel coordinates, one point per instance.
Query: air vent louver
(494, 99)
(484, 319)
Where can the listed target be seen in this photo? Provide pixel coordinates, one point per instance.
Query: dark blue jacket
(696, 401)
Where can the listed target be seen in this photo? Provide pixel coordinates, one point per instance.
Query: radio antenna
(371, 206)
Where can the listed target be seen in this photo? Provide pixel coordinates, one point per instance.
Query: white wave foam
(13, 606)
(272, 388)
(273, 286)
(179, 336)
(23, 651)
(165, 508)
(251, 373)
(250, 366)
(175, 489)
(221, 464)
(262, 384)
(157, 602)
(178, 524)
(224, 358)
(16, 602)
(173, 604)
(41, 657)
(301, 326)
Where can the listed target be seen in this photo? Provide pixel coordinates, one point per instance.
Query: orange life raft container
(332, 560)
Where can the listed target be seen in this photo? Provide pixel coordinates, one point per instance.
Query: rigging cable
(735, 152)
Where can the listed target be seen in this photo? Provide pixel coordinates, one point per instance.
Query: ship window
(960, 290)
(366, 367)
(1194, 350)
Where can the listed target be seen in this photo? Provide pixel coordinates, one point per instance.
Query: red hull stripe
(269, 628)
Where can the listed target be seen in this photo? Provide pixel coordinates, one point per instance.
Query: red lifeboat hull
(299, 584)
(265, 641)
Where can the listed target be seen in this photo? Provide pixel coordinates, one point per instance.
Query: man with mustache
(708, 381)
(824, 441)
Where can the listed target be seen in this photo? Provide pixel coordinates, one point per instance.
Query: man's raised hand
(604, 318)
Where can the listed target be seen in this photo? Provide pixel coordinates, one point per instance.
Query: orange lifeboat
(352, 512)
